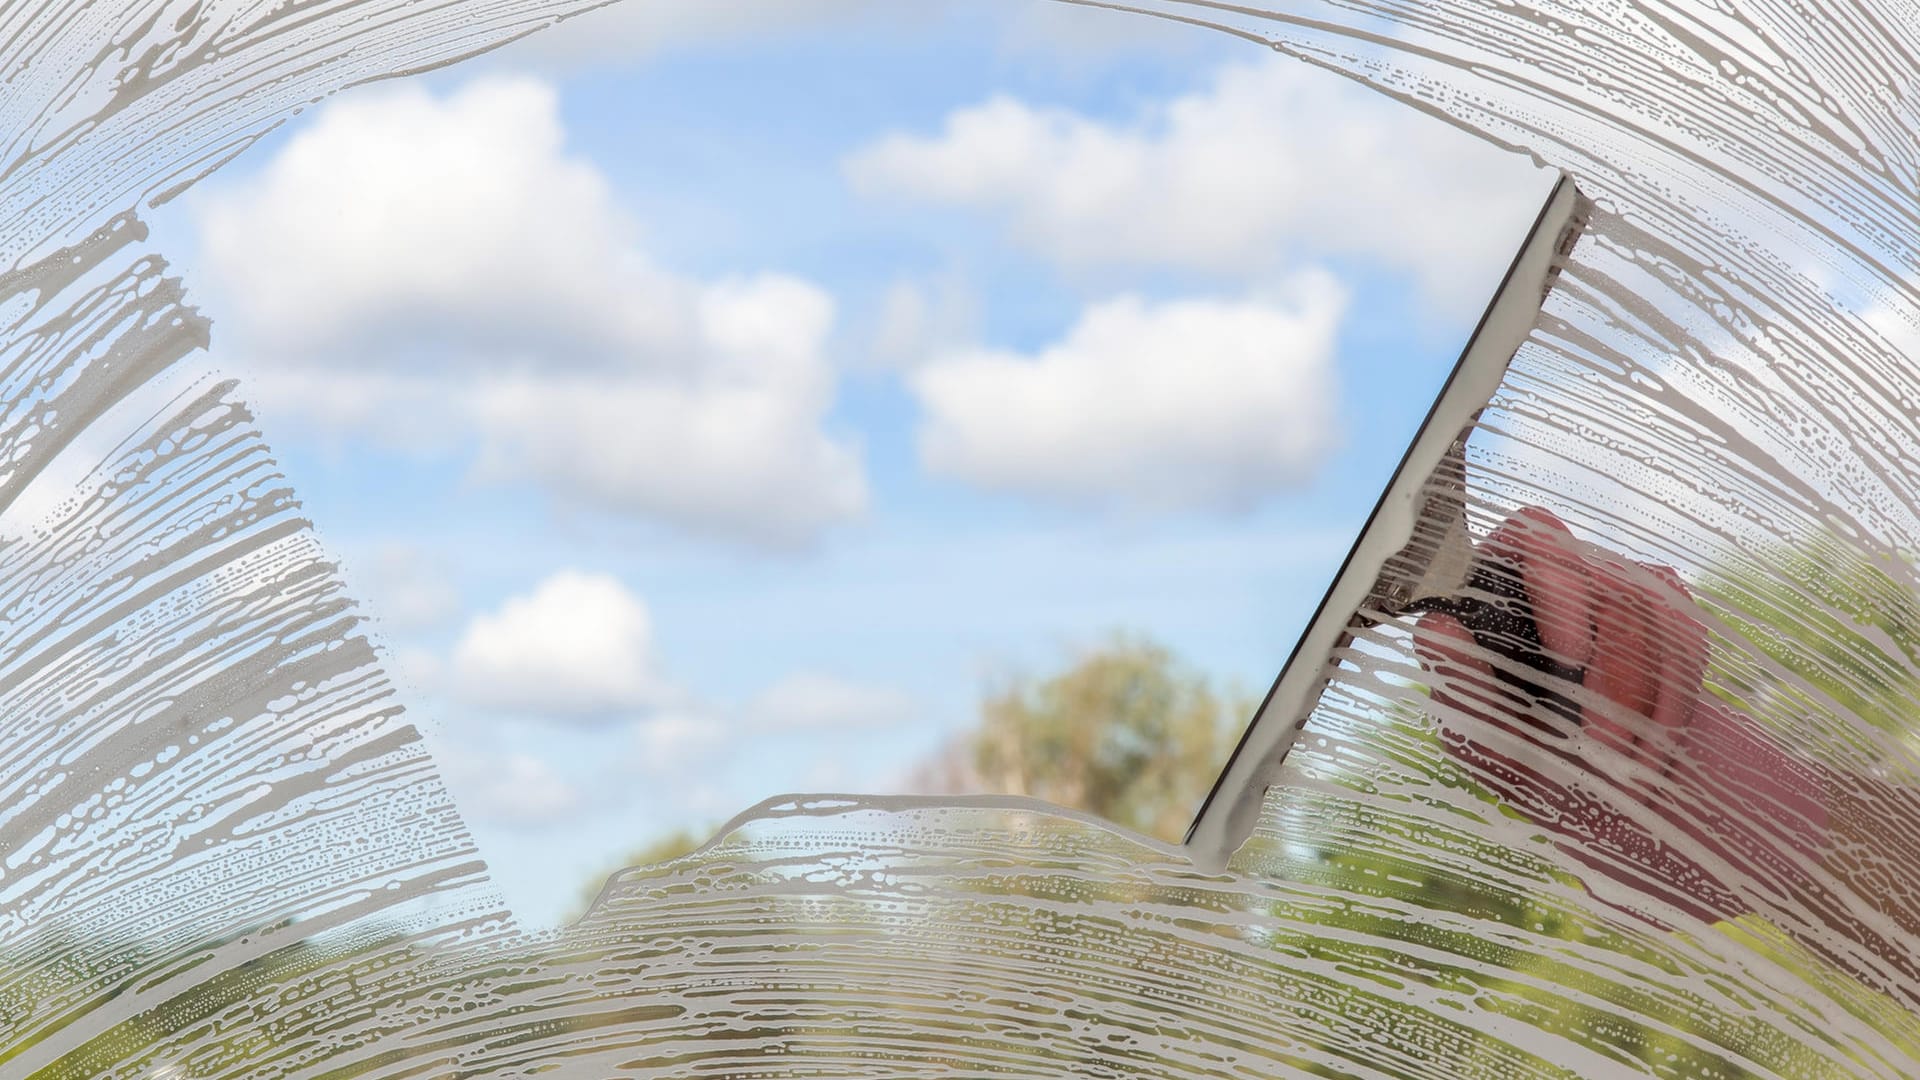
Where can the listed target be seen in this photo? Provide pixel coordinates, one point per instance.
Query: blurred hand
(1631, 627)
(1635, 726)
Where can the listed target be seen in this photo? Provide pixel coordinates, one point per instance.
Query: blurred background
(713, 401)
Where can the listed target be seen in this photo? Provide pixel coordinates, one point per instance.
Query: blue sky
(709, 400)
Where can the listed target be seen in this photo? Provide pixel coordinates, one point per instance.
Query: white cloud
(416, 669)
(1899, 326)
(514, 788)
(579, 646)
(406, 589)
(441, 273)
(678, 744)
(813, 702)
(399, 218)
(916, 320)
(1196, 404)
(1077, 37)
(622, 33)
(729, 461)
(738, 453)
(1270, 164)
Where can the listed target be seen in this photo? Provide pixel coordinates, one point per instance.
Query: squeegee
(1415, 552)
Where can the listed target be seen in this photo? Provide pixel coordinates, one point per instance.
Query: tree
(1126, 733)
(663, 848)
(1841, 618)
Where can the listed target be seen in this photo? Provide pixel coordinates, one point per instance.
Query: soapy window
(690, 443)
(229, 851)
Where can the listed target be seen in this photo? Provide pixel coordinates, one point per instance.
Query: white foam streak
(226, 853)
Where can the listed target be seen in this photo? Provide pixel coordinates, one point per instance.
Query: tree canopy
(1125, 732)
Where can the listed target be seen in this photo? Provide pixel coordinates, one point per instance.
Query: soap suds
(226, 853)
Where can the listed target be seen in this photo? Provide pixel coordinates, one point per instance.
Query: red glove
(1625, 761)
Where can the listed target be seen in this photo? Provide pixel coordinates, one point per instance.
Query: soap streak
(224, 851)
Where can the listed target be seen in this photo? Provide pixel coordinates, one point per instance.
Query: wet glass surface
(226, 852)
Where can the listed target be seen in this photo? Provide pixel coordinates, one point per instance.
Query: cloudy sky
(709, 399)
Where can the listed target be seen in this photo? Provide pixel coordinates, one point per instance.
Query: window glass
(689, 446)
(1660, 825)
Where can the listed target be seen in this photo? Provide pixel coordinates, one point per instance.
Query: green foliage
(1129, 733)
(1126, 732)
(664, 848)
(1845, 623)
